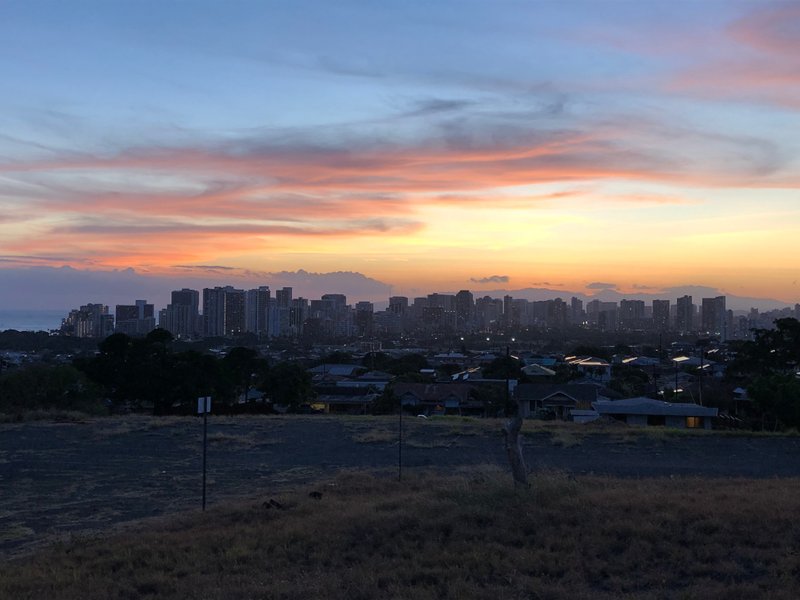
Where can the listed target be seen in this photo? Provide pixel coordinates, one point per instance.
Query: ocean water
(31, 320)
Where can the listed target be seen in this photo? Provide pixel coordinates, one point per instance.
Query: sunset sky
(433, 146)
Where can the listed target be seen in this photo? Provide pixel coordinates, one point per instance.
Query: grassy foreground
(468, 535)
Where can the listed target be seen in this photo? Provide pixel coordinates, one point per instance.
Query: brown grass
(469, 535)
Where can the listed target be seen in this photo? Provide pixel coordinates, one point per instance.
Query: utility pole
(204, 407)
(400, 442)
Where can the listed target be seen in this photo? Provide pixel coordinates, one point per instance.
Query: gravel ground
(62, 479)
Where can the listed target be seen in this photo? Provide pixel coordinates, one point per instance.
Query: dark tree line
(148, 375)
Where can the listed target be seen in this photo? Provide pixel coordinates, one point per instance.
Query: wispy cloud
(204, 268)
(491, 279)
(600, 285)
(249, 193)
(761, 62)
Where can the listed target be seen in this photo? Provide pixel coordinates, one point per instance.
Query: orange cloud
(168, 206)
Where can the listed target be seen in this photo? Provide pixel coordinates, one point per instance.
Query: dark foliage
(770, 363)
(48, 387)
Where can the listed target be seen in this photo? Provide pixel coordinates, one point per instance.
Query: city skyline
(409, 146)
(226, 311)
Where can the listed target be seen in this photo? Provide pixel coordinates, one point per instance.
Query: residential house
(436, 398)
(646, 411)
(555, 400)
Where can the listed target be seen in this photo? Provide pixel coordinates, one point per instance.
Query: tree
(771, 351)
(629, 381)
(777, 396)
(503, 367)
(241, 365)
(591, 351)
(377, 361)
(134, 371)
(408, 364)
(770, 363)
(336, 358)
(48, 387)
(289, 384)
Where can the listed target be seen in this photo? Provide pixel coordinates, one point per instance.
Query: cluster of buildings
(229, 312)
(353, 389)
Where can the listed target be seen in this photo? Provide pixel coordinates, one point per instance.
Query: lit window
(694, 422)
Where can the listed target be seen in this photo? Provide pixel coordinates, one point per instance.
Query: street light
(677, 360)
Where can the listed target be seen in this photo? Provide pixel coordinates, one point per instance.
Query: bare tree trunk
(514, 450)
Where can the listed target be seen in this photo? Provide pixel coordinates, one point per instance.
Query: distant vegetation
(159, 375)
(770, 368)
(147, 374)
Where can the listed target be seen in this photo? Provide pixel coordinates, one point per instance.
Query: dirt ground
(63, 479)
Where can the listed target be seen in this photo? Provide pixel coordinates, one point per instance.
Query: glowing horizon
(425, 149)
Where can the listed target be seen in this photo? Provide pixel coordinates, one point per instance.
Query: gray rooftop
(648, 406)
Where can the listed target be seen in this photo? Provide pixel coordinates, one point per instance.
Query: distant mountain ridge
(64, 288)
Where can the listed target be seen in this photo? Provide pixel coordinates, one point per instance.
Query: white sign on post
(204, 405)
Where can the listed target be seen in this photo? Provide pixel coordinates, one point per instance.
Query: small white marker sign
(204, 405)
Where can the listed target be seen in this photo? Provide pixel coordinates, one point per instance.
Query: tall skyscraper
(235, 316)
(715, 316)
(507, 310)
(631, 314)
(88, 321)
(223, 311)
(661, 315)
(283, 306)
(257, 310)
(465, 311)
(135, 319)
(576, 311)
(364, 318)
(398, 305)
(181, 317)
(340, 314)
(684, 316)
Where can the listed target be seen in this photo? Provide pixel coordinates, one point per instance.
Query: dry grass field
(464, 535)
(106, 508)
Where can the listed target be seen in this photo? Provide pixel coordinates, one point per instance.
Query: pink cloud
(251, 197)
(762, 61)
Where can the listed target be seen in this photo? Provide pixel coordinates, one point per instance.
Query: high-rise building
(465, 311)
(556, 313)
(488, 313)
(337, 301)
(508, 303)
(135, 319)
(661, 315)
(602, 315)
(88, 321)
(631, 314)
(340, 314)
(298, 313)
(182, 316)
(364, 318)
(257, 310)
(576, 311)
(684, 315)
(715, 316)
(283, 304)
(223, 311)
(398, 305)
